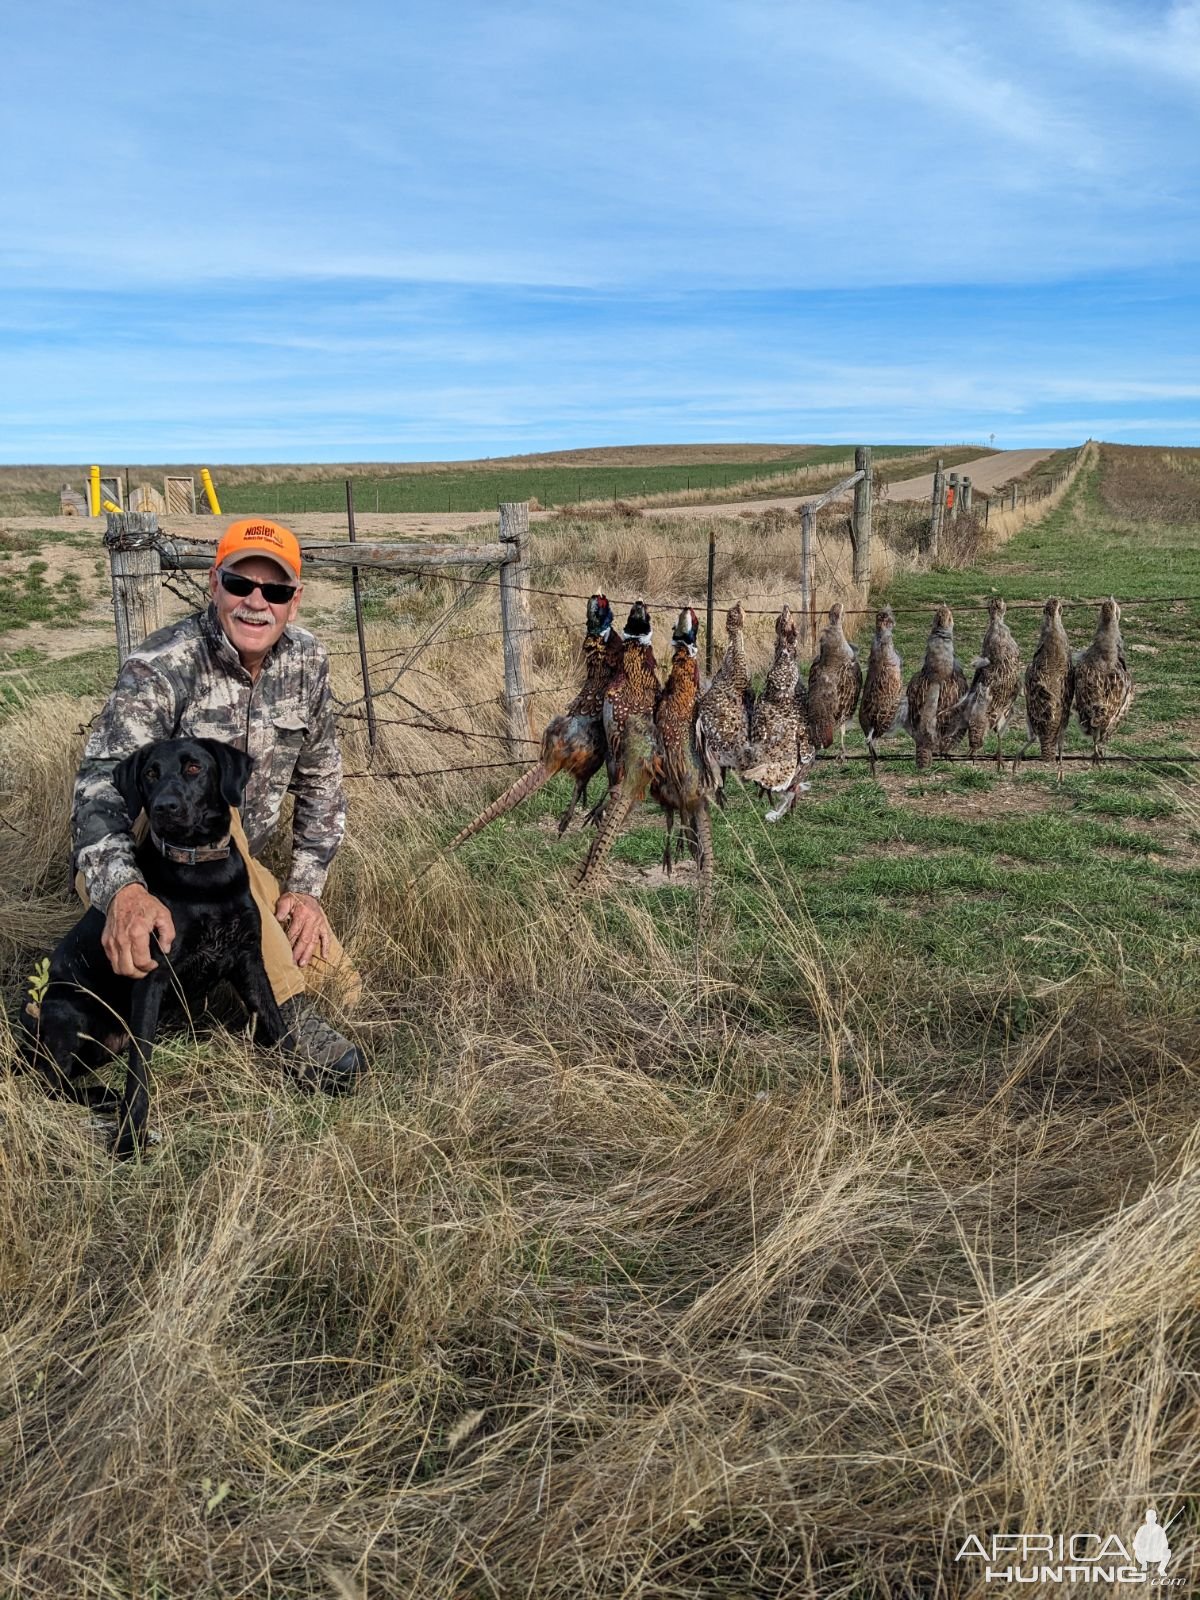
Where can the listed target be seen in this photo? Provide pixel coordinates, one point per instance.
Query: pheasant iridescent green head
(637, 625)
(599, 616)
(686, 628)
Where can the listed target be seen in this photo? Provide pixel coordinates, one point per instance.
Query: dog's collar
(189, 855)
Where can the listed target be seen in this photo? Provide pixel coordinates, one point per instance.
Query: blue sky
(401, 231)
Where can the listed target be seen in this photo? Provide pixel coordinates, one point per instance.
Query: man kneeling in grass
(241, 672)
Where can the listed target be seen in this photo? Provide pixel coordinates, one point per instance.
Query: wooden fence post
(131, 540)
(807, 519)
(708, 633)
(937, 509)
(1012, 504)
(965, 491)
(358, 620)
(516, 621)
(953, 496)
(862, 517)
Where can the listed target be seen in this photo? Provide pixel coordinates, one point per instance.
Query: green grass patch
(482, 489)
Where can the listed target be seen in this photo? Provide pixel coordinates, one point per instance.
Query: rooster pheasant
(775, 727)
(1049, 686)
(724, 712)
(1103, 684)
(935, 690)
(882, 708)
(573, 742)
(628, 717)
(834, 684)
(681, 780)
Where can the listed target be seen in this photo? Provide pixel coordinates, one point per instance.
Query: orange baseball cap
(257, 536)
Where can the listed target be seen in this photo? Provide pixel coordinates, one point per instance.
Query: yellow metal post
(94, 499)
(210, 494)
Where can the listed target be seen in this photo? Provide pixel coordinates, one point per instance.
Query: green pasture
(483, 489)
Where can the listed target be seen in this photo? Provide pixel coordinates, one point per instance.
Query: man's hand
(133, 914)
(307, 926)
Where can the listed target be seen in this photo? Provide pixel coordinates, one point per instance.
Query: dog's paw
(126, 1143)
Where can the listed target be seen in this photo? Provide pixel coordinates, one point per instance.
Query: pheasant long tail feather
(616, 814)
(705, 835)
(528, 783)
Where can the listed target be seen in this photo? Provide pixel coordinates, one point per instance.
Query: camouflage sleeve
(141, 708)
(319, 818)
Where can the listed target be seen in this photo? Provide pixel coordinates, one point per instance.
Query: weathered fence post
(937, 509)
(807, 518)
(516, 621)
(358, 620)
(952, 496)
(708, 629)
(965, 491)
(131, 538)
(862, 517)
(1012, 504)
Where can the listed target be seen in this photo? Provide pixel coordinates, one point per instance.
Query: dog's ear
(127, 776)
(234, 767)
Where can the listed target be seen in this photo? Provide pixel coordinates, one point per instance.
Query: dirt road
(986, 473)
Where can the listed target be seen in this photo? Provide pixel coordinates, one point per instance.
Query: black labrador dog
(185, 787)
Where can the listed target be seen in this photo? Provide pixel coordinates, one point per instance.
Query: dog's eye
(151, 774)
(191, 769)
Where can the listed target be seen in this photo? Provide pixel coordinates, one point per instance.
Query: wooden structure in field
(179, 492)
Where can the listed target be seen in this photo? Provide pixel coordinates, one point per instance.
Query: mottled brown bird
(987, 706)
(771, 762)
(935, 690)
(681, 780)
(724, 712)
(1049, 686)
(573, 742)
(882, 708)
(834, 683)
(1103, 683)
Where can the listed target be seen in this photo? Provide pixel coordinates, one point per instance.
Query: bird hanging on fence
(1103, 683)
(1002, 676)
(573, 742)
(935, 690)
(996, 681)
(1049, 686)
(681, 781)
(725, 706)
(834, 684)
(774, 755)
(629, 703)
(882, 708)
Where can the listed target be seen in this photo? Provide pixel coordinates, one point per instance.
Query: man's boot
(325, 1059)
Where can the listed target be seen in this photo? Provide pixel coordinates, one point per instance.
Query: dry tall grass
(634, 1268)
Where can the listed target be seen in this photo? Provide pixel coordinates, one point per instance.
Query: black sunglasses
(277, 593)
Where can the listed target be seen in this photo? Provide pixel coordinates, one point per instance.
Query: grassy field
(552, 480)
(764, 1255)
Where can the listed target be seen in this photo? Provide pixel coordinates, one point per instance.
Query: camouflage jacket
(187, 682)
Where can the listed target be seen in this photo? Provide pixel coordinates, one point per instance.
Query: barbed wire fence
(145, 561)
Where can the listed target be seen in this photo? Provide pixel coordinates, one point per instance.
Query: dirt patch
(683, 876)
